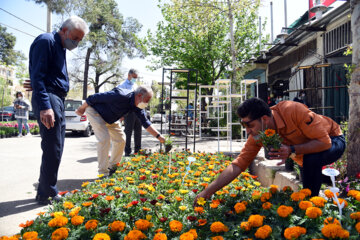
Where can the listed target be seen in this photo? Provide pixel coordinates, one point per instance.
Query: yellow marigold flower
(256, 220)
(303, 205)
(117, 189)
(109, 198)
(77, 220)
(256, 194)
(59, 221)
(199, 210)
(84, 184)
(265, 197)
(269, 132)
(318, 201)
(313, 212)
(334, 231)
(57, 214)
(331, 220)
(101, 236)
(91, 224)
(306, 191)
(135, 235)
(86, 204)
(357, 227)
(201, 201)
(217, 227)
(284, 211)
(239, 207)
(266, 205)
(246, 226)
(297, 196)
(117, 226)
(143, 224)
(292, 233)
(30, 235)
(182, 208)
(160, 236)
(175, 226)
(355, 216)
(60, 234)
(263, 232)
(341, 201)
(182, 191)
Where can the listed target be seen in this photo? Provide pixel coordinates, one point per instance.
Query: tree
(353, 151)
(8, 55)
(57, 6)
(195, 35)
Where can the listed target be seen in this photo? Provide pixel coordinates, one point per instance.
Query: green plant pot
(267, 150)
(168, 148)
(289, 165)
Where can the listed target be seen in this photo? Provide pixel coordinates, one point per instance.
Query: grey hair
(144, 90)
(75, 22)
(133, 71)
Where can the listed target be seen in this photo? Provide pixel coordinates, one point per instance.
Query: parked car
(74, 122)
(159, 118)
(7, 113)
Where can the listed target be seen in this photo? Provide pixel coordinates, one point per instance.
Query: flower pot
(168, 148)
(289, 165)
(267, 150)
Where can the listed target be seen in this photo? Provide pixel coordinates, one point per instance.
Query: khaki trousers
(105, 133)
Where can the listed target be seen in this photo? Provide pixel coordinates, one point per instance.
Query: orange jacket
(296, 124)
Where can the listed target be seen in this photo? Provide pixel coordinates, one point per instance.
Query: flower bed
(147, 198)
(10, 129)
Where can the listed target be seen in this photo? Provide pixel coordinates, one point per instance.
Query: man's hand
(282, 153)
(81, 110)
(202, 194)
(47, 118)
(161, 139)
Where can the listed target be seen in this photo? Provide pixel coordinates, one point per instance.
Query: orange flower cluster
(59, 221)
(329, 194)
(60, 234)
(202, 222)
(135, 235)
(269, 132)
(293, 233)
(306, 191)
(318, 201)
(331, 220)
(313, 212)
(199, 210)
(160, 236)
(273, 189)
(217, 227)
(263, 232)
(334, 231)
(117, 226)
(27, 224)
(91, 224)
(239, 207)
(190, 235)
(284, 211)
(342, 201)
(297, 196)
(265, 197)
(77, 220)
(86, 204)
(267, 205)
(75, 211)
(245, 226)
(215, 203)
(355, 216)
(217, 238)
(256, 220)
(68, 205)
(175, 226)
(30, 235)
(303, 205)
(357, 227)
(101, 236)
(143, 224)
(354, 194)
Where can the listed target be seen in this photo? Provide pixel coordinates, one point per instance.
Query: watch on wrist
(157, 136)
(293, 153)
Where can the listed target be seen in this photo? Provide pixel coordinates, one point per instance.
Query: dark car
(7, 113)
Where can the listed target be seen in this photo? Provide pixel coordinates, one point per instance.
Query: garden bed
(148, 198)
(10, 129)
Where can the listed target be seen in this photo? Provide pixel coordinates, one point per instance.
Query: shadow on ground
(87, 160)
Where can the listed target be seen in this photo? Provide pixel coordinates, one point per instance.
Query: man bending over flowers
(310, 139)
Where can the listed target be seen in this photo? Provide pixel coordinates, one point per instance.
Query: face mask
(133, 80)
(70, 44)
(142, 105)
(19, 98)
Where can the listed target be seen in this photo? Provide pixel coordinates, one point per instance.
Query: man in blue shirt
(104, 111)
(132, 123)
(50, 84)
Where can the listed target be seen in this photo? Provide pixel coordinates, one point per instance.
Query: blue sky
(145, 11)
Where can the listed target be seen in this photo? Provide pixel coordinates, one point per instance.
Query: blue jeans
(52, 145)
(313, 163)
(22, 121)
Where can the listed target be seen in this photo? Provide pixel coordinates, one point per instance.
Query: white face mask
(19, 98)
(133, 80)
(142, 105)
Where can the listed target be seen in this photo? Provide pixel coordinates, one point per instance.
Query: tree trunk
(353, 150)
(86, 72)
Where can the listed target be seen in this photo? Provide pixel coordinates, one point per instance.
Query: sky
(145, 11)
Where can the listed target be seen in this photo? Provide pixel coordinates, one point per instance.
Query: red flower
(142, 177)
(154, 176)
(163, 219)
(191, 218)
(195, 190)
(160, 197)
(63, 193)
(93, 196)
(154, 184)
(358, 175)
(143, 199)
(153, 202)
(134, 203)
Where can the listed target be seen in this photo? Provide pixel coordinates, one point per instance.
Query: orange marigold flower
(59, 221)
(256, 220)
(101, 236)
(265, 197)
(318, 201)
(269, 132)
(353, 193)
(341, 201)
(60, 234)
(109, 198)
(355, 216)
(263, 232)
(284, 211)
(179, 199)
(30, 235)
(329, 194)
(86, 204)
(256, 194)
(303, 205)
(199, 210)
(287, 189)
(273, 189)
(91, 224)
(117, 226)
(313, 212)
(245, 226)
(266, 205)
(217, 227)
(217, 238)
(292, 233)
(143, 224)
(187, 236)
(68, 205)
(77, 220)
(194, 233)
(159, 230)
(357, 227)
(135, 235)
(175, 226)
(297, 196)
(306, 191)
(331, 220)
(160, 236)
(334, 231)
(27, 224)
(202, 222)
(239, 207)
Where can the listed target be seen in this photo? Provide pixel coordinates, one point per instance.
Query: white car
(74, 122)
(157, 118)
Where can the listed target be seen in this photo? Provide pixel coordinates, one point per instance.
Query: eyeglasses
(246, 124)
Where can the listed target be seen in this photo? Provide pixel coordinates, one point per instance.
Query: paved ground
(20, 163)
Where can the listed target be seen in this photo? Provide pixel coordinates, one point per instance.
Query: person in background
(22, 107)
(310, 139)
(104, 111)
(132, 122)
(50, 84)
(301, 98)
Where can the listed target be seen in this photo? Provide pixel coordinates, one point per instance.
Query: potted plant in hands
(270, 139)
(168, 144)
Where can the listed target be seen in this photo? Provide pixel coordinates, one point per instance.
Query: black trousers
(132, 123)
(52, 145)
(313, 163)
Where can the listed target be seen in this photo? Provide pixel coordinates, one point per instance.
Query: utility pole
(49, 23)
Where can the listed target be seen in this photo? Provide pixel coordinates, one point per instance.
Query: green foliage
(349, 67)
(8, 55)
(5, 90)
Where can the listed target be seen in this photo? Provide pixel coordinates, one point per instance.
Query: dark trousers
(313, 163)
(132, 123)
(52, 145)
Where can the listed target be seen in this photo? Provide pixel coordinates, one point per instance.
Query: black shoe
(112, 171)
(47, 200)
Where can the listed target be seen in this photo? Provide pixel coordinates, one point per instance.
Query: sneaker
(20, 135)
(47, 200)
(112, 171)
(28, 134)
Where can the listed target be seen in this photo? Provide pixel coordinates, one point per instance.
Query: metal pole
(272, 21)
(285, 11)
(162, 100)
(195, 106)
(48, 26)
(187, 109)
